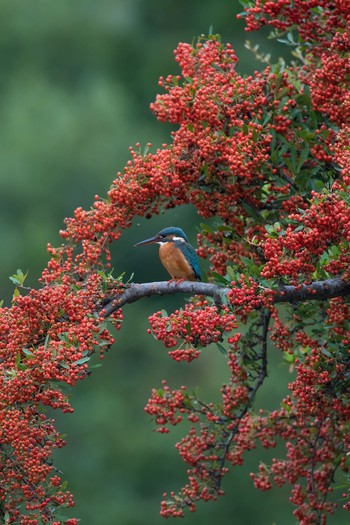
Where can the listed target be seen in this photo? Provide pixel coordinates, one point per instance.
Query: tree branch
(317, 291)
(264, 324)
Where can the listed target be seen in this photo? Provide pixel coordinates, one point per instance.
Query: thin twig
(266, 316)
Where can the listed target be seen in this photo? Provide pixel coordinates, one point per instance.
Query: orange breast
(175, 262)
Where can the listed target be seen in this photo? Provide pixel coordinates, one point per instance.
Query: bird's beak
(151, 240)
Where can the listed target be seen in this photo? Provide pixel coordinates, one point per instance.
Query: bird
(176, 254)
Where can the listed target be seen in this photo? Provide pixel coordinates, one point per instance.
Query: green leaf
(293, 158)
(267, 118)
(102, 327)
(290, 358)
(225, 228)
(64, 485)
(60, 517)
(335, 251)
(81, 361)
(222, 349)
(245, 3)
(233, 274)
(220, 279)
(120, 277)
(130, 278)
(271, 230)
(15, 279)
(286, 407)
(97, 365)
(326, 352)
(324, 259)
(18, 278)
(299, 228)
(206, 228)
(317, 185)
(232, 131)
(247, 262)
(252, 212)
(47, 338)
(63, 336)
(288, 163)
(302, 158)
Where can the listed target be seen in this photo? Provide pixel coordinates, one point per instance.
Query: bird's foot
(176, 281)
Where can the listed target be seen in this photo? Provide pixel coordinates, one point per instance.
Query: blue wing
(190, 254)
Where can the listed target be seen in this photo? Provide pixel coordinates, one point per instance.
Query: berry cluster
(47, 338)
(195, 326)
(322, 30)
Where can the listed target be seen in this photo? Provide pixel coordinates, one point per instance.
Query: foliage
(267, 156)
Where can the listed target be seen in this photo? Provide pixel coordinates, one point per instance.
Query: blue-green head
(171, 233)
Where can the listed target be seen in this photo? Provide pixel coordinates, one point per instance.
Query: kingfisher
(176, 254)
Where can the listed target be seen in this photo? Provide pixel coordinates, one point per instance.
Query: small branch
(265, 327)
(264, 324)
(316, 291)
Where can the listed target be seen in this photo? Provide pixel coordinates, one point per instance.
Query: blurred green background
(77, 80)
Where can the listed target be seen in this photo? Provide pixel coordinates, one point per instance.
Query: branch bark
(316, 291)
